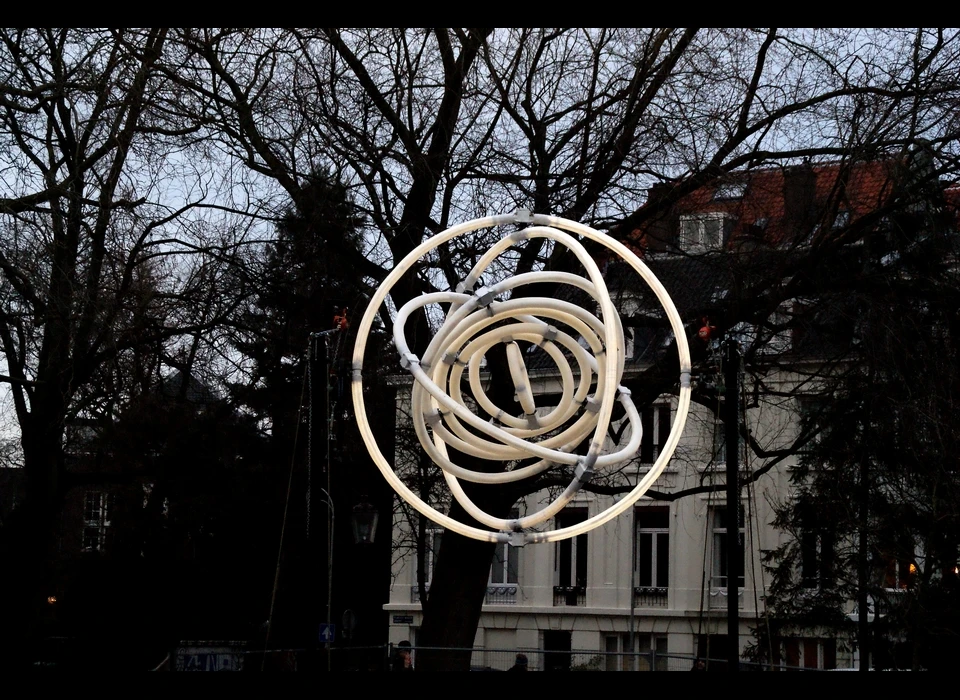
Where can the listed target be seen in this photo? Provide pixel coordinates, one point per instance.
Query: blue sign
(328, 632)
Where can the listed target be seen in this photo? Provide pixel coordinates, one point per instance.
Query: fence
(378, 658)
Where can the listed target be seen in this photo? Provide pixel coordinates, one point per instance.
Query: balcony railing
(502, 594)
(570, 595)
(497, 594)
(650, 597)
(718, 598)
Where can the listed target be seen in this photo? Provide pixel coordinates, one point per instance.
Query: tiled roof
(769, 208)
(777, 205)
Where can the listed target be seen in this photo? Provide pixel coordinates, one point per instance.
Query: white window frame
(432, 537)
(718, 534)
(647, 643)
(808, 407)
(804, 645)
(620, 658)
(817, 552)
(659, 548)
(578, 549)
(718, 454)
(842, 219)
(652, 417)
(693, 231)
(506, 558)
(731, 189)
(902, 572)
(97, 520)
(431, 545)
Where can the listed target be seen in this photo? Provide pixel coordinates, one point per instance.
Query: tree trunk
(452, 611)
(30, 543)
(457, 591)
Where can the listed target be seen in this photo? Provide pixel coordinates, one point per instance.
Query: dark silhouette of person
(402, 661)
(520, 664)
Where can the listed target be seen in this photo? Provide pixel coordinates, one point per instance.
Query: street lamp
(364, 516)
(364, 522)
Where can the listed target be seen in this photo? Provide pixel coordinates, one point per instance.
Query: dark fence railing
(381, 658)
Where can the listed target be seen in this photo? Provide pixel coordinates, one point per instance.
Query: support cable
(754, 519)
(711, 477)
(283, 526)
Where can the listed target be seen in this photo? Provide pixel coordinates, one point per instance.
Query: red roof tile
(780, 204)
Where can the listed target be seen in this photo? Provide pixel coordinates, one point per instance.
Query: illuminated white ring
(459, 328)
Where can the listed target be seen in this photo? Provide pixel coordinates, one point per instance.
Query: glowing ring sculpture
(474, 324)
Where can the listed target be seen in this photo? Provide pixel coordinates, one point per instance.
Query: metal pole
(633, 583)
(326, 370)
(330, 509)
(329, 568)
(732, 436)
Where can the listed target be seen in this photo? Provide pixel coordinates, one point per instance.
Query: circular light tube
(441, 416)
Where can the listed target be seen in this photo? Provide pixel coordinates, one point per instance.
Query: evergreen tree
(875, 519)
(299, 288)
(296, 335)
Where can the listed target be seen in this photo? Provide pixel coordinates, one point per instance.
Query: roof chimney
(799, 189)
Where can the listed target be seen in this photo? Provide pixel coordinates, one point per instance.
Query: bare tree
(430, 127)
(102, 268)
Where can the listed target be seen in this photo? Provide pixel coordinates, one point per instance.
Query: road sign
(328, 632)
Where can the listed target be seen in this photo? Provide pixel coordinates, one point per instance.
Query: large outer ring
(683, 404)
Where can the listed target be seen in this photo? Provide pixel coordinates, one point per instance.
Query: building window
(653, 556)
(898, 574)
(816, 550)
(655, 421)
(842, 219)
(732, 189)
(649, 652)
(653, 652)
(432, 538)
(813, 426)
(809, 653)
(719, 441)
(506, 565)
(720, 571)
(613, 646)
(570, 562)
(704, 232)
(556, 650)
(97, 521)
(502, 587)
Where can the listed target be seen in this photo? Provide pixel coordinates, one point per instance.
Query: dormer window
(842, 219)
(734, 189)
(703, 232)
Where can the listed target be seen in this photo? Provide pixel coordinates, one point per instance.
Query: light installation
(587, 350)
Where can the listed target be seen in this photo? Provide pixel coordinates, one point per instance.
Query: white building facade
(654, 579)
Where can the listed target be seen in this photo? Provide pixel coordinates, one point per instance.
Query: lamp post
(364, 521)
(364, 515)
(328, 416)
(330, 521)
